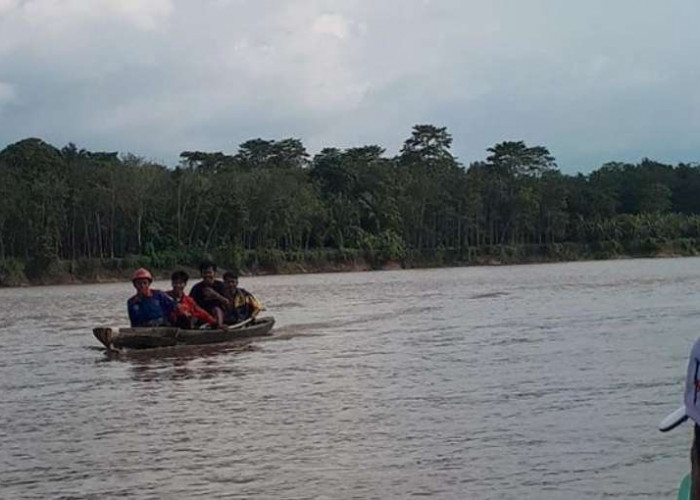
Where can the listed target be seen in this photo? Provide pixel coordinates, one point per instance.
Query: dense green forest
(271, 207)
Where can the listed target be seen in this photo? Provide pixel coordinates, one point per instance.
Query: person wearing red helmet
(148, 307)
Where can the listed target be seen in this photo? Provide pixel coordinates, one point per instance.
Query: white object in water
(673, 420)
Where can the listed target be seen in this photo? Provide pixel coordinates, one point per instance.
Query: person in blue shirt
(148, 307)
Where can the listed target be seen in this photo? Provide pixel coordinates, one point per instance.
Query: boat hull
(148, 338)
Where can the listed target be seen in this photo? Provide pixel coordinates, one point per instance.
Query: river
(515, 382)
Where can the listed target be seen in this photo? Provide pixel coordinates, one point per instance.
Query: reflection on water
(180, 353)
(527, 382)
(175, 363)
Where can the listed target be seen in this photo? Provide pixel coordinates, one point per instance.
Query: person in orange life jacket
(187, 314)
(148, 307)
(209, 293)
(242, 305)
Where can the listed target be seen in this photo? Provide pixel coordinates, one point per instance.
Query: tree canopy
(270, 196)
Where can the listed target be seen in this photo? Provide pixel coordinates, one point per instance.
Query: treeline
(270, 204)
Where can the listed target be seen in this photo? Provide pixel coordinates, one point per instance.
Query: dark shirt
(150, 311)
(197, 293)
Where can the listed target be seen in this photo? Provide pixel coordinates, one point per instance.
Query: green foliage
(271, 259)
(564, 251)
(515, 158)
(167, 259)
(607, 249)
(686, 246)
(428, 142)
(260, 153)
(230, 258)
(88, 268)
(268, 207)
(11, 272)
(380, 249)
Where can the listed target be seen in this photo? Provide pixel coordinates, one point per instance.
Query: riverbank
(15, 272)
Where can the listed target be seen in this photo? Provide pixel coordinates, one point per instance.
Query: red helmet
(142, 273)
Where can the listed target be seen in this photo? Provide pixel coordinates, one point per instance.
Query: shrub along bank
(15, 272)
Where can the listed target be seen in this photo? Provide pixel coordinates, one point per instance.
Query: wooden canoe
(146, 338)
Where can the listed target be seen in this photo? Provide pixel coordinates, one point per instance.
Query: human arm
(167, 303)
(254, 305)
(132, 312)
(198, 312)
(216, 293)
(211, 294)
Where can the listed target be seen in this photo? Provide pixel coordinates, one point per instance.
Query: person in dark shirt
(209, 294)
(187, 314)
(148, 307)
(242, 305)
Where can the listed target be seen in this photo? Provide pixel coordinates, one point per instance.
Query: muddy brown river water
(523, 382)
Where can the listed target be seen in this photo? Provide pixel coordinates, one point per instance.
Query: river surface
(518, 382)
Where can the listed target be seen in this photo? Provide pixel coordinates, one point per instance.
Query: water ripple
(528, 382)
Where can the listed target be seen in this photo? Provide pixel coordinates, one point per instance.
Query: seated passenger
(209, 293)
(148, 307)
(187, 314)
(242, 305)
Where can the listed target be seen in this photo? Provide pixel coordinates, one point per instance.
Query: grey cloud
(594, 81)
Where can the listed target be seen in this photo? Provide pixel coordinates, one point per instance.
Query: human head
(142, 279)
(230, 280)
(179, 281)
(208, 271)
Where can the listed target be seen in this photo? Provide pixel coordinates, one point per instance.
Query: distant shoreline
(97, 271)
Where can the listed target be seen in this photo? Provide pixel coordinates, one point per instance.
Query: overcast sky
(594, 80)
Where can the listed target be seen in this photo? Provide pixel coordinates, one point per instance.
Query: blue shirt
(150, 311)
